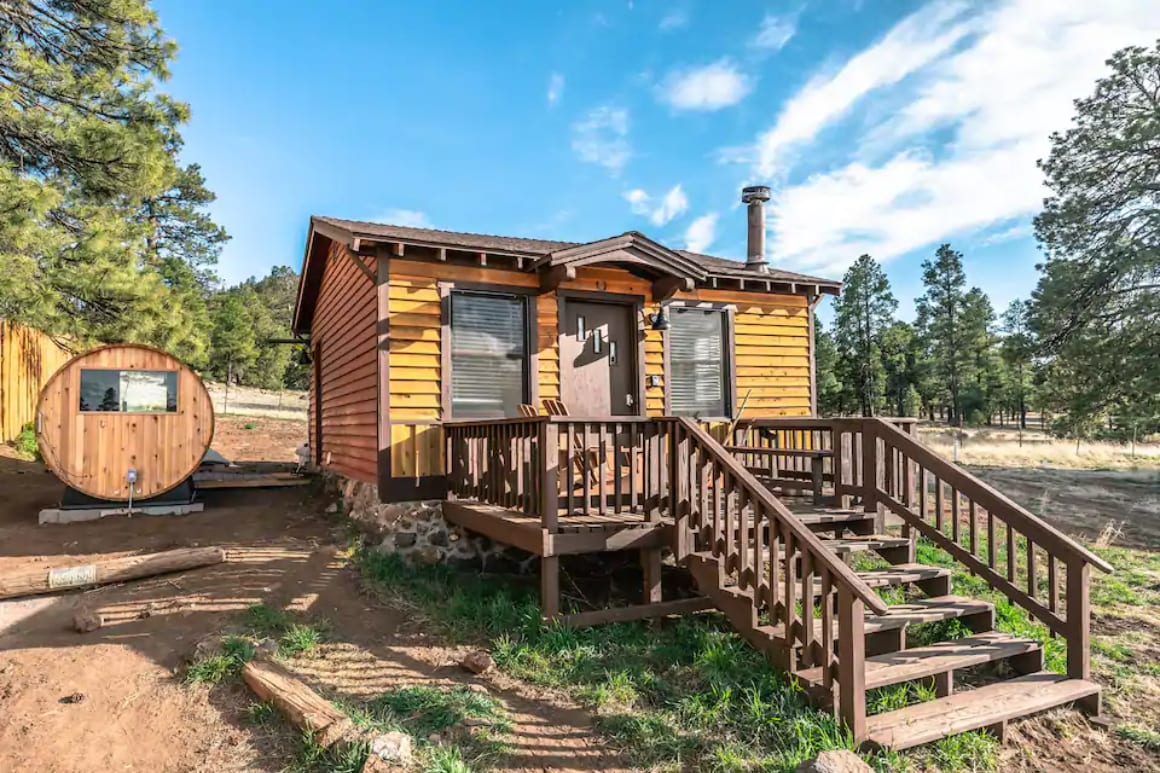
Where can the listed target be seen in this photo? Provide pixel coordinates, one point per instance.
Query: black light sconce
(659, 320)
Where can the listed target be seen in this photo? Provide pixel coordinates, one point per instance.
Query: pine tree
(983, 375)
(1096, 309)
(86, 140)
(234, 343)
(829, 388)
(940, 324)
(1016, 350)
(900, 364)
(862, 314)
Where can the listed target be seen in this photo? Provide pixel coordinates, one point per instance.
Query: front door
(598, 359)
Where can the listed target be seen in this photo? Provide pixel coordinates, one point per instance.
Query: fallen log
(302, 706)
(107, 571)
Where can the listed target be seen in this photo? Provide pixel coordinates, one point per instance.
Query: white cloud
(957, 153)
(673, 204)
(912, 44)
(701, 232)
(555, 88)
(674, 19)
(406, 217)
(601, 138)
(711, 87)
(775, 32)
(1010, 233)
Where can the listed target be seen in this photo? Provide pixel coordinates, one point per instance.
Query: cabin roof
(539, 253)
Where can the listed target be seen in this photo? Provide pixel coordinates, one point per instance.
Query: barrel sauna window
(128, 391)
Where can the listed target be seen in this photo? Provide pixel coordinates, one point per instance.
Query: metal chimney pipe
(755, 197)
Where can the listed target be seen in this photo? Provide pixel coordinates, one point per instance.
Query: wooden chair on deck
(528, 411)
(587, 459)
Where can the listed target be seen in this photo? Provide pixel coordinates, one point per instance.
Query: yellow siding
(771, 349)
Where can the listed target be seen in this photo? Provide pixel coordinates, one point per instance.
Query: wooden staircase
(784, 582)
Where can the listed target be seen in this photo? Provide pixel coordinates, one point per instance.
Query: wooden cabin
(433, 353)
(410, 328)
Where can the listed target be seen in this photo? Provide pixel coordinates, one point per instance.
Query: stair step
(901, 574)
(859, 544)
(903, 666)
(833, 516)
(918, 612)
(973, 709)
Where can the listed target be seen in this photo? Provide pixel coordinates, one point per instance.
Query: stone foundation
(418, 532)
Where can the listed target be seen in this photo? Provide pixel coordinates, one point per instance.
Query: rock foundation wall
(417, 530)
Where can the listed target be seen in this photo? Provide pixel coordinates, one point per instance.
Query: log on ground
(302, 706)
(109, 570)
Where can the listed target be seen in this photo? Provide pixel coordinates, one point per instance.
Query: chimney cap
(752, 193)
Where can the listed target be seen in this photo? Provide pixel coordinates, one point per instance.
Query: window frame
(728, 349)
(176, 392)
(527, 296)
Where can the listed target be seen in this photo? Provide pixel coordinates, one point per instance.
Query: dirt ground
(114, 699)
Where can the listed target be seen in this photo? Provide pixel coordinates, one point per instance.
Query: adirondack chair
(587, 459)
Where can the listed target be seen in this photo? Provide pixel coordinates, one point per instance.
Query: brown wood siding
(27, 359)
(771, 340)
(344, 330)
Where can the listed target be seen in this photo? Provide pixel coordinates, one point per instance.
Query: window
(129, 391)
(489, 355)
(697, 372)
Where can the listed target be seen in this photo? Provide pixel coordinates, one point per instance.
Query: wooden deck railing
(1016, 552)
(729, 512)
(497, 461)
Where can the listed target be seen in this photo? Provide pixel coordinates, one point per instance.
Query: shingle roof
(536, 247)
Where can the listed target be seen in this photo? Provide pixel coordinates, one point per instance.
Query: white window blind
(488, 355)
(697, 363)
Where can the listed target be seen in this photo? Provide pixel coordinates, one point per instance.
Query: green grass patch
(690, 693)
(261, 713)
(25, 443)
(236, 652)
(294, 636)
(1149, 739)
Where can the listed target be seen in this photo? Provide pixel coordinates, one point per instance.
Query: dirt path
(114, 700)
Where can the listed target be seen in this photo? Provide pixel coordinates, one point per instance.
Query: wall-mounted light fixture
(659, 320)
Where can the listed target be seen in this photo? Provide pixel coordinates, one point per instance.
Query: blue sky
(884, 126)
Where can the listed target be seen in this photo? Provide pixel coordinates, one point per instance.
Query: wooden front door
(598, 368)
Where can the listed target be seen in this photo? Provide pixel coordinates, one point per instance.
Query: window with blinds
(489, 355)
(697, 371)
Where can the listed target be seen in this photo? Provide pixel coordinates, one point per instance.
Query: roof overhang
(671, 270)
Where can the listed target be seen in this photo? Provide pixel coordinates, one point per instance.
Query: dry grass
(1002, 448)
(262, 403)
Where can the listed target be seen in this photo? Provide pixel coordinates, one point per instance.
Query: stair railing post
(851, 662)
(1078, 619)
(678, 486)
(870, 472)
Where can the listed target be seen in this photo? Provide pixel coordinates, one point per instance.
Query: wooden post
(678, 486)
(549, 475)
(816, 464)
(870, 473)
(550, 587)
(851, 662)
(1078, 619)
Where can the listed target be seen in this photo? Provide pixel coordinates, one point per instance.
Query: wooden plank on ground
(302, 706)
(109, 570)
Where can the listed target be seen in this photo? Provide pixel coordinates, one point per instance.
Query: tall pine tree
(862, 314)
(940, 324)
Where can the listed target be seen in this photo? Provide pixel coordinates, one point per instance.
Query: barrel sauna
(122, 413)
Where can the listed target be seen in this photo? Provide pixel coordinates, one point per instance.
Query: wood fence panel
(27, 359)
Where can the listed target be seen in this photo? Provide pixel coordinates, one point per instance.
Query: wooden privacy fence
(27, 358)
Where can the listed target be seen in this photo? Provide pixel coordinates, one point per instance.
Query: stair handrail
(802, 534)
(1023, 516)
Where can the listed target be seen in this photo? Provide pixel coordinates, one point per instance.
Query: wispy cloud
(775, 32)
(958, 153)
(710, 87)
(674, 19)
(1010, 233)
(913, 43)
(555, 88)
(601, 138)
(672, 205)
(701, 233)
(406, 217)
